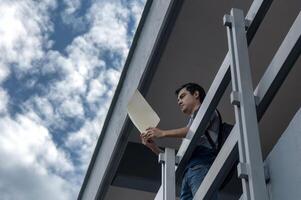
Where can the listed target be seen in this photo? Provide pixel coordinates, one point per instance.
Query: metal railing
(240, 139)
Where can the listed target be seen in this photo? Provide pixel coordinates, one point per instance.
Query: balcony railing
(237, 145)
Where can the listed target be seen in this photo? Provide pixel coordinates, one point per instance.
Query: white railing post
(250, 167)
(168, 163)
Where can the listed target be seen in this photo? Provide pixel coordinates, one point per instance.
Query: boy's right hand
(150, 144)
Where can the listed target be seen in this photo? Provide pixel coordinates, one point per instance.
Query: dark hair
(192, 88)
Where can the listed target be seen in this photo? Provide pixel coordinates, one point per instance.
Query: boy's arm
(152, 133)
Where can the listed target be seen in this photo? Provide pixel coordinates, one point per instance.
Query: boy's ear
(196, 94)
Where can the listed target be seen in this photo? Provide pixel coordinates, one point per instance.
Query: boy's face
(187, 101)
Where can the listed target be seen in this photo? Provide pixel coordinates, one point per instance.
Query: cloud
(22, 182)
(83, 141)
(109, 27)
(77, 84)
(4, 72)
(87, 74)
(30, 161)
(44, 106)
(24, 138)
(96, 91)
(72, 108)
(22, 28)
(3, 102)
(71, 17)
(136, 10)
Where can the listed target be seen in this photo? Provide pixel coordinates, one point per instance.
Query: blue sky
(60, 63)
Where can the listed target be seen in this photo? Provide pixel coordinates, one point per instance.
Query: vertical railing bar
(167, 160)
(235, 88)
(251, 163)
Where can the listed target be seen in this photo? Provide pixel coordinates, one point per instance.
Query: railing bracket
(177, 160)
(161, 158)
(257, 100)
(243, 170)
(235, 98)
(228, 20)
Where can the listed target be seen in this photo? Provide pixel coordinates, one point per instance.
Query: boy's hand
(150, 144)
(152, 133)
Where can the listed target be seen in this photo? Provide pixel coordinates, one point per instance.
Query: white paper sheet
(141, 113)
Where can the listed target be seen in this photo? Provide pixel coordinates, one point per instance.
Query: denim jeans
(192, 179)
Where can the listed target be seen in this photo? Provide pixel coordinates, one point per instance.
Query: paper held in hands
(141, 113)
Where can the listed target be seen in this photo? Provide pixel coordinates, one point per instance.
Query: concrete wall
(284, 163)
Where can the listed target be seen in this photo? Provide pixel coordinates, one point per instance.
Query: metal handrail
(273, 78)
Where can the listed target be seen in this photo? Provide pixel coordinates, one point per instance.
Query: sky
(60, 62)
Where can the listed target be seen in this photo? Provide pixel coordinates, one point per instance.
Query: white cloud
(19, 181)
(31, 143)
(3, 101)
(97, 90)
(43, 107)
(136, 9)
(83, 141)
(84, 62)
(29, 160)
(70, 16)
(22, 24)
(112, 76)
(33, 164)
(72, 108)
(109, 26)
(4, 72)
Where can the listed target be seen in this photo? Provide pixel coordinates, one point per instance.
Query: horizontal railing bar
(282, 63)
(256, 14)
(221, 166)
(159, 195)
